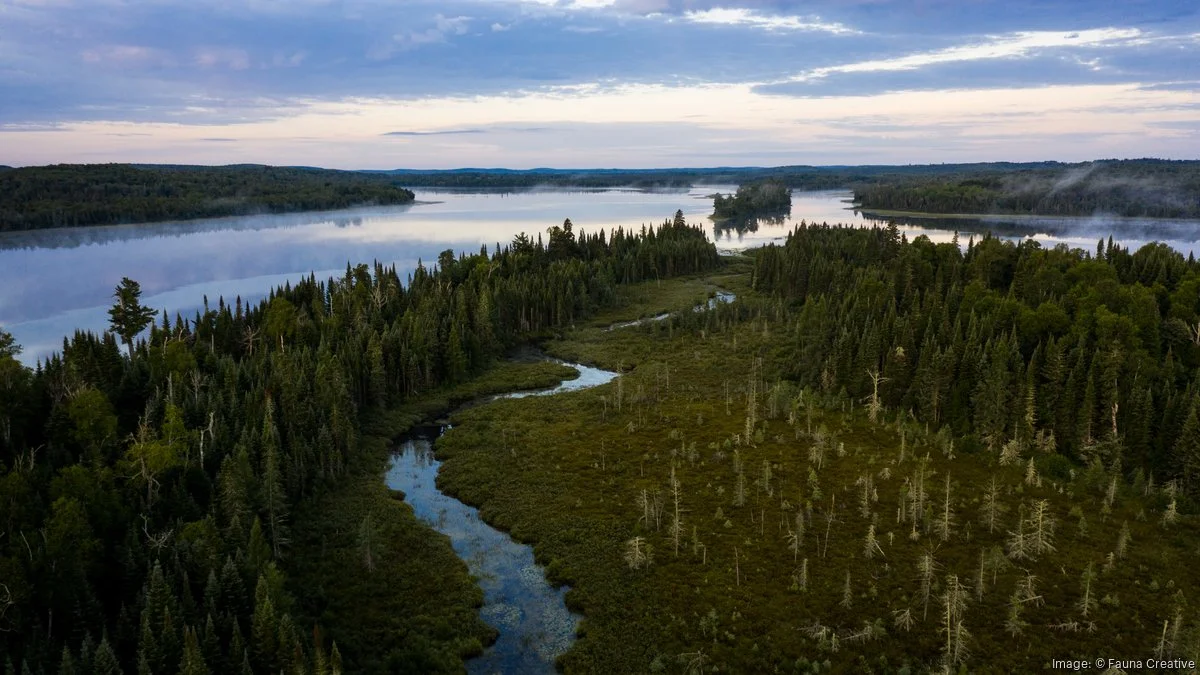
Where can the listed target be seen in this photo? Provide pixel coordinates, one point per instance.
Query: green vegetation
(412, 586)
(211, 500)
(800, 177)
(1149, 188)
(69, 195)
(768, 199)
(886, 456)
(74, 195)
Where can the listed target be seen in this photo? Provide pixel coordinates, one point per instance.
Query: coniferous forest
(885, 456)
(1089, 357)
(1151, 188)
(154, 491)
(68, 195)
(880, 455)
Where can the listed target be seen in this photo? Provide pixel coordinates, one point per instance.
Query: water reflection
(53, 282)
(534, 624)
(531, 616)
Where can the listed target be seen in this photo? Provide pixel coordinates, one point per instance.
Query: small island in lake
(769, 199)
(760, 199)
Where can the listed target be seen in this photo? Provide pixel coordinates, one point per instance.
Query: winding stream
(531, 616)
(534, 625)
(533, 621)
(720, 297)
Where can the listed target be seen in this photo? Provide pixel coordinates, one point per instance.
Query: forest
(885, 456)
(1136, 188)
(1010, 347)
(187, 495)
(794, 176)
(69, 195)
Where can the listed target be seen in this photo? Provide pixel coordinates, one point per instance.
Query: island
(769, 199)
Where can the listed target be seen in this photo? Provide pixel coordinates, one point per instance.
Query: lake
(53, 282)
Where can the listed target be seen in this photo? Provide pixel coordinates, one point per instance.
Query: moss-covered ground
(711, 517)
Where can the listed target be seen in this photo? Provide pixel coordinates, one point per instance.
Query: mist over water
(53, 282)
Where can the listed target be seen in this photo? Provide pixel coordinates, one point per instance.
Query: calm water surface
(533, 621)
(56, 281)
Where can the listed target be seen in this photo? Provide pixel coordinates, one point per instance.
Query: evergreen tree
(128, 317)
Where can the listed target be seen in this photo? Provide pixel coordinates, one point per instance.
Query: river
(53, 282)
(532, 620)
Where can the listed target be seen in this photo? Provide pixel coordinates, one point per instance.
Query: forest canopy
(69, 195)
(1013, 346)
(1135, 188)
(151, 501)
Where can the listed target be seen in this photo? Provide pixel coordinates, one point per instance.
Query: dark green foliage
(1053, 349)
(1151, 188)
(763, 199)
(801, 177)
(156, 499)
(128, 316)
(68, 195)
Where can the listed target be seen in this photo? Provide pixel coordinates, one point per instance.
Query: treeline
(146, 500)
(1088, 356)
(68, 195)
(1142, 188)
(799, 177)
(762, 199)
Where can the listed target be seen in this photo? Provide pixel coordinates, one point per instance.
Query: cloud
(222, 57)
(126, 55)
(461, 132)
(748, 17)
(442, 28)
(326, 75)
(996, 47)
(30, 127)
(446, 132)
(640, 126)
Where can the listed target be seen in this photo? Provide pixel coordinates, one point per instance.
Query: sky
(378, 84)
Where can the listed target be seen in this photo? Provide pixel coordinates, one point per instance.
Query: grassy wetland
(384, 613)
(713, 514)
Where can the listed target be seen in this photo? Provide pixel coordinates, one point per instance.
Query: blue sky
(590, 83)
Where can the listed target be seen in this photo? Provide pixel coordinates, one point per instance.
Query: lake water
(54, 282)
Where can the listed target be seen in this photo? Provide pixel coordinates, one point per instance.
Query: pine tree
(1187, 447)
(105, 661)
(274, 499)
(128, 317)
(264, 628)
(193, 659)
